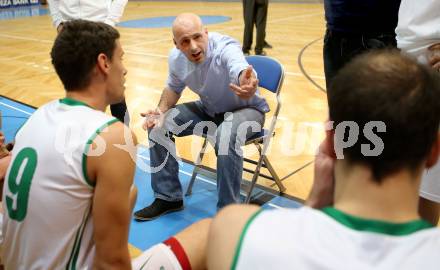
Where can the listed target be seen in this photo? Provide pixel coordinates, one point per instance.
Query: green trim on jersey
(73, 102)
(240, 241)
(87, 148)
(71, 263)
(376, 226)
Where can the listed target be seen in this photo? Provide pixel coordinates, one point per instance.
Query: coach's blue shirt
(210, 80)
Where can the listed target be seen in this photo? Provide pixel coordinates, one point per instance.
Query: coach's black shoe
(157, 208)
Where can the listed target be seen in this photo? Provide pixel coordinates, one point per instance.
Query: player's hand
(153, 118)
(434, 56)
(248, 84)
(322, 192)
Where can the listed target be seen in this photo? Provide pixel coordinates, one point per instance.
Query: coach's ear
(434, 154)
(102, 63)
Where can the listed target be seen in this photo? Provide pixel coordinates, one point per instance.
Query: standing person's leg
(248, 16)
(119, 110)
(231, 136)
(179, 121)
(332, 57)
(260, 23)
(338, 50)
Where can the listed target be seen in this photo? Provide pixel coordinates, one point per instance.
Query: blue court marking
(201, 204)
(159, 22)
(14, 115)
(22, 12)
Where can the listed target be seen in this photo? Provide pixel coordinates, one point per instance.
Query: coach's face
(192, 40)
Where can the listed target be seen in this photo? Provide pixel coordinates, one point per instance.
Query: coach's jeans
(226, 131)
(340, 48)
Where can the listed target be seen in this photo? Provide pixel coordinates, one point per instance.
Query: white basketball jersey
(47, 196)
(312, 239)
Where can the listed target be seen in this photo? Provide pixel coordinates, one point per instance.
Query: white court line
(278, 20)
(14, 108)
(27, 38)
(296, 16)
(21, 56)
(229, 28)
(275, 206)
(148, 42)
(298, 74)
(147, 54)
(160, 55)
(160, 40)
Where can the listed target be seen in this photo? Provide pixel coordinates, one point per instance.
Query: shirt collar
(376, 226)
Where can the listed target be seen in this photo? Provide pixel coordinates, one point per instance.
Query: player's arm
(225, 233)
(113, 171)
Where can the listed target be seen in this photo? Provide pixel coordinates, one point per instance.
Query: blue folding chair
(270, 76)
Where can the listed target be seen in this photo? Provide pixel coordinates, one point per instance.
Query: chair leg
(274, 174)
(196, 167)
(254, 179)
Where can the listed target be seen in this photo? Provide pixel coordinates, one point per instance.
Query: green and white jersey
(47, 196)
(329, 239)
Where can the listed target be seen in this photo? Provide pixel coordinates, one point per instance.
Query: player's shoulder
(118, 132)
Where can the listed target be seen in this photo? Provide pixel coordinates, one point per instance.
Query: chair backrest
(270, 72)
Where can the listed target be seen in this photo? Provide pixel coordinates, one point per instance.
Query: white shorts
(158, 257)
(430, 187)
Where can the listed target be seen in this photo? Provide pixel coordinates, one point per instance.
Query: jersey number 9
(19, 183)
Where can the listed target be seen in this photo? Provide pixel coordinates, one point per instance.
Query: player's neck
(88, 97)
(393, 200)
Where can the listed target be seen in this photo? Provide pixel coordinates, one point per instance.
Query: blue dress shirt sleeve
(174, 83)
(232, 57)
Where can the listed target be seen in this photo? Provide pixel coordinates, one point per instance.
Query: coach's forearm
(168, 99)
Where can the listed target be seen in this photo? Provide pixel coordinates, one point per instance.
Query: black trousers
(254, 12)
(118, 110)
(340, 48)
